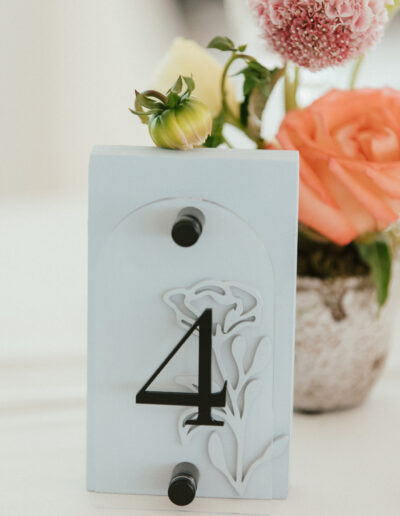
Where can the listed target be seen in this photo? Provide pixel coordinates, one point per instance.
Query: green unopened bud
(175, 121)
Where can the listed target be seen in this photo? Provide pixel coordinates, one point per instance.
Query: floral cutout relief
(235, 308)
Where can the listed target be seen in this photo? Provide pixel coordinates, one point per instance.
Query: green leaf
(377, 255)
(242, 48)
(216, 137)
(143, 117)
(145, 101)
(189, 84)
(173, 100)
(258, 67)
(250, 82)
(145, 113)
(257, 87)
(222, 43)
(177, 87)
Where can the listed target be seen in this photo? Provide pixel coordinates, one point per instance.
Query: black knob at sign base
(188, 227)
(183, 484)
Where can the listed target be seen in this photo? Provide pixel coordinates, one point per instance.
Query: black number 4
(204, 399)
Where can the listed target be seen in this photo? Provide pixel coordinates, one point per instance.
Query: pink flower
(349, 144)
(316, 34)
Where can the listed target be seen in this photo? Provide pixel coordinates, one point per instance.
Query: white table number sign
(192, 269)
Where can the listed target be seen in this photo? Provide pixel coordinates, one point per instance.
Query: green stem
(296, 81)
(356, 70)
(225, 106)
(291, 87)
(230, 117)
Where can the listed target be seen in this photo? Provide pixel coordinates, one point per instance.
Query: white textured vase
(342, 341)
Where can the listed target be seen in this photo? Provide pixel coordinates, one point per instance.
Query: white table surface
(342, 463)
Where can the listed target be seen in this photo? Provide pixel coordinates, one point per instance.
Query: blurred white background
(68, 72)
(69, 69)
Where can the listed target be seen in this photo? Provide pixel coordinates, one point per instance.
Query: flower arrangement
(348, 140)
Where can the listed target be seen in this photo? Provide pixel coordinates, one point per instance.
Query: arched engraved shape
(124, 248)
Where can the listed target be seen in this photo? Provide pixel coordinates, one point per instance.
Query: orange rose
(349, 143)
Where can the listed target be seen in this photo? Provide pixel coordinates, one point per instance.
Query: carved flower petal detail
(238, 304)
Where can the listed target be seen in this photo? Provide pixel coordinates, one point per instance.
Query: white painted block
(145, 292)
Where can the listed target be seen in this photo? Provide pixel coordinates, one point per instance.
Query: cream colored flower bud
(186, 57)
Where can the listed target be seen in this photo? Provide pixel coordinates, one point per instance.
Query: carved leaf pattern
(186, 431)
(251, 391)
(273, 449)
(239, 352)
(261, 357)
(217, 456)
(188, 304)
(188, 381)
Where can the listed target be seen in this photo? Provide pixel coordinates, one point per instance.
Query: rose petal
(372, 203)
(352, 209)
(346, 142)
(307, 174)
(349, 144)
(386, 182)
(382, 146)
(322, 135)
(324, 219)
(359, 165)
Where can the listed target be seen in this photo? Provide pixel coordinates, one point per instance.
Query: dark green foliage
(328, 260)
(216, 138)
(378, 256)
(259, 81)
(225, 44)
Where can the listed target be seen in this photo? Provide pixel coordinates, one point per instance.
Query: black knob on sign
(188, 227)
(183, 483)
